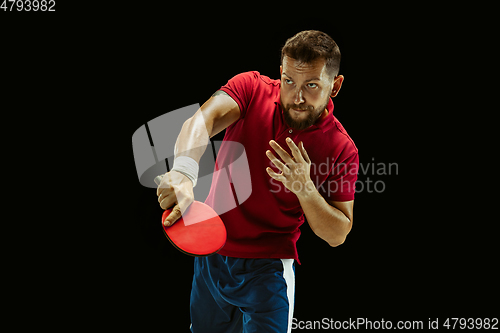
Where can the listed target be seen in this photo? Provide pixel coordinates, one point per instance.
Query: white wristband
(188, 167)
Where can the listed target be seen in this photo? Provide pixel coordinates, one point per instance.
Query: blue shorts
(242, 295)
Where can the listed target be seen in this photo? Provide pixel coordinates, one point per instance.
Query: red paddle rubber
(199, 232)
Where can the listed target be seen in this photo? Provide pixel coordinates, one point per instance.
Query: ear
(337, 84)
(281, 70)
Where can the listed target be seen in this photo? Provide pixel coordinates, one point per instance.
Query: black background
(414, 253)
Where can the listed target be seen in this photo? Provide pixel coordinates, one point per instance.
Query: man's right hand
(176, 190)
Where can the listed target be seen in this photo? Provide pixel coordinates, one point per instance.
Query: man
(303, 167)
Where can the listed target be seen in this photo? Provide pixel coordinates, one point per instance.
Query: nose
(298, 97)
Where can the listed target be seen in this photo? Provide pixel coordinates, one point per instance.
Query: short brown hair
(309, 45)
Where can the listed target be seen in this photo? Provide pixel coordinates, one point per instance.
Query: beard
(312, 115)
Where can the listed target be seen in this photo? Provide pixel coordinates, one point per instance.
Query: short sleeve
(341, 184)
(241, 88)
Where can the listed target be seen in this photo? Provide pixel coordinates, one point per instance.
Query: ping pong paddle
(199, 232)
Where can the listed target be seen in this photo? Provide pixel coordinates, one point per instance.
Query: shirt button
(290, 131)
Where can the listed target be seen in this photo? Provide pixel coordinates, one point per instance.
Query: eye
(287, 81)
(312, 85)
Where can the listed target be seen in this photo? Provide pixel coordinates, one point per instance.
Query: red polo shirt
(266, 224)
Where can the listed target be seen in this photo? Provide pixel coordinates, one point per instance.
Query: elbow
(340, 239)
(336, 242)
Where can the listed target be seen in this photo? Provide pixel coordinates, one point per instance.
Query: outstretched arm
(175, 188)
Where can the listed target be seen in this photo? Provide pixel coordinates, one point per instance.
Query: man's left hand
(295, 171)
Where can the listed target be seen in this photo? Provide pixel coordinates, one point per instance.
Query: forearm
(327, 222)
(219, 112)
(194, 136)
